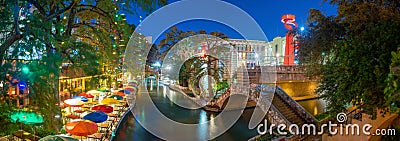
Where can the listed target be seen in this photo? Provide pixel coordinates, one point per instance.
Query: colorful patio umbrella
(71, 116)
(82, 98)
(132, 84)
(97, 117)
(81, 128)
(87, 95)
(103, 108)
(120, 93)
(74, 102)
(131, 89)
(109, 101)
(125, 91)
(26, 117)
(117, 97)
(93, 92)
(58, 138)
(82, 94)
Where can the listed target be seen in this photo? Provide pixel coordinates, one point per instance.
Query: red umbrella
(82, 94)
(86, 95)
(81, 128)
(72, 116)
(89, 96)
(120, 93)
(103, 108)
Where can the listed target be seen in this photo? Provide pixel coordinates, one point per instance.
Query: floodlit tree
(351, 52)
(89, 35)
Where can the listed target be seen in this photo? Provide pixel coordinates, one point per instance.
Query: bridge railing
(296, 106)
(356, 113)
(223, 96)
(279, 114)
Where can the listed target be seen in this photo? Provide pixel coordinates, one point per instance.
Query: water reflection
(203, 127)
(314, 106)
(130, 129)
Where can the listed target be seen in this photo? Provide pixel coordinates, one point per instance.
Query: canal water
(130, 129)
(304, 88)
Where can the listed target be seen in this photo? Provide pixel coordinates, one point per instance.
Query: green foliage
(351, 53)
(322, 116)
(5, 122)
(175, 35)
(154, 55)
(80, 34)
(392, 91)
(221, 86)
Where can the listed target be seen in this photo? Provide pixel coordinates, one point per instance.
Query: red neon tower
(288, 21)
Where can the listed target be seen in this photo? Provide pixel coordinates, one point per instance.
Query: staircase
(283, 99)
(287, 111)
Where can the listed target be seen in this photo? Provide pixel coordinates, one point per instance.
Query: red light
(203, 53)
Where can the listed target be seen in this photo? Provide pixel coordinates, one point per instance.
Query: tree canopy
(351, 52)
(89, 35)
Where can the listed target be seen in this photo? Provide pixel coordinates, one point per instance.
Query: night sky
(267, 14)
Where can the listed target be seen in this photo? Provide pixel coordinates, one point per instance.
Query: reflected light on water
(212, 126)
(164, 91)
(315, 110)
(203, 125)
(151, 84)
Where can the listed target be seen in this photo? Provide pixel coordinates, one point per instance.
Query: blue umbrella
(82, 98)
(125, 91)
(97, 116)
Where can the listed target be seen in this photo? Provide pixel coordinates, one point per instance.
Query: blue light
(157, 64)
(21, 85)
(302, 28)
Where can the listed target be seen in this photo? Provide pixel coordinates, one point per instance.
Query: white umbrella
(94, 92)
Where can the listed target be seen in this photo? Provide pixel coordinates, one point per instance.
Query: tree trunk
(7, 44)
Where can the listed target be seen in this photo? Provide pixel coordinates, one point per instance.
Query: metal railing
(296, 107)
